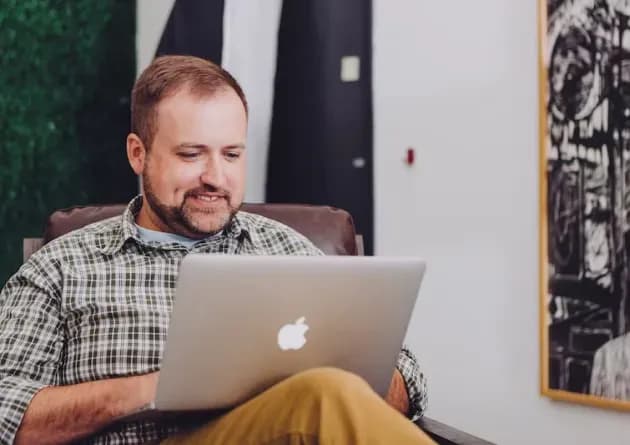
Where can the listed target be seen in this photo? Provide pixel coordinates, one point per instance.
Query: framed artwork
(584, 68)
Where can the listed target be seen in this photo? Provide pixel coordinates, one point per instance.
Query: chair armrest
(29, 246)
(359, 242)
(446, 435)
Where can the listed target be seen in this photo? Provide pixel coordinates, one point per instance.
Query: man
(610, 377)
(83, 322)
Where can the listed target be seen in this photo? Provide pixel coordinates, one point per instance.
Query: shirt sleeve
(30, 340)
(415, 382)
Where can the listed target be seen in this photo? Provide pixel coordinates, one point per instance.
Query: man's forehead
(185, 111)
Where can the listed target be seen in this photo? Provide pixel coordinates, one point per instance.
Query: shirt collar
(127, 229)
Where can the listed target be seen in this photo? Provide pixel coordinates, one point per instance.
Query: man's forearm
(61, 414)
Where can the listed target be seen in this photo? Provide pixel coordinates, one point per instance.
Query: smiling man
(193, 163)
(83, 323)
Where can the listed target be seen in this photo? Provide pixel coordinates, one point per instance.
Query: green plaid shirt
(95, 304)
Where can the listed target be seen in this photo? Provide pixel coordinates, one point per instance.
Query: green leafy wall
(66, 71)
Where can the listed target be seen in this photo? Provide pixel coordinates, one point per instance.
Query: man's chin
(204, 227)
(206, 221)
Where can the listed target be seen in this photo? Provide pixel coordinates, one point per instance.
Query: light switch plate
(350, 68)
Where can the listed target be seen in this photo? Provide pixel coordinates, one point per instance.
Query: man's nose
(213, 173)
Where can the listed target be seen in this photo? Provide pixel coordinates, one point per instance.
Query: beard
(188, 220)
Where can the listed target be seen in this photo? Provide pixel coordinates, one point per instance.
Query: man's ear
(136, 153)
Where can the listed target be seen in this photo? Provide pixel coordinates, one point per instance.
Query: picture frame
(584, 147)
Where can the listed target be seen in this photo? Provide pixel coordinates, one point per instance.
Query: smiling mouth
(203, 201)
(208, 198)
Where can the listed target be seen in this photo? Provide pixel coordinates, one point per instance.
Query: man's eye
(233, 155)
(188, 155)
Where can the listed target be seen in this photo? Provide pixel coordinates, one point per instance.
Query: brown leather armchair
(330, 229)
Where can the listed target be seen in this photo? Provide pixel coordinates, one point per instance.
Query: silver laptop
(243, 323)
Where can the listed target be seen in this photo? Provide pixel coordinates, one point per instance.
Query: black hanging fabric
(194, 27)
(321, 137)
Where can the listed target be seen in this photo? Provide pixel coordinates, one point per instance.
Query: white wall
(457, 80)
(151, 17)
(249, 53)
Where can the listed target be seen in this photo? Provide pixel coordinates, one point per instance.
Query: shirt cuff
(415, 382)
(15, 396)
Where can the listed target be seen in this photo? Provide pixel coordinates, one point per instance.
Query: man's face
(193, 174)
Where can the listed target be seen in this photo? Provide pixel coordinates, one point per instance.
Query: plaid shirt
(95, 304)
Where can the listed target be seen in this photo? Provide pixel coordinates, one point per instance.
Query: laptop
(240, 324)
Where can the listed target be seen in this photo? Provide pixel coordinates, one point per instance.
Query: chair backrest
(330, 229)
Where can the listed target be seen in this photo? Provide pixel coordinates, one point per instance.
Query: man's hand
(397, 395)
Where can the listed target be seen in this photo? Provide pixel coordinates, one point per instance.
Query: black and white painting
(585, 147)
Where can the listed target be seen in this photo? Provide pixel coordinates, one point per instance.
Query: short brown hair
(167, 75)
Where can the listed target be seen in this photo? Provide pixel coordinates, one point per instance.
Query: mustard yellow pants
(318, 406)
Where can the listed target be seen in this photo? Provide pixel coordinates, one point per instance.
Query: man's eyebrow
(232, 146)
(204, 146)
(191, 145)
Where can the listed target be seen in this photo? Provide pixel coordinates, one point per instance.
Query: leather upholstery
(330, 229)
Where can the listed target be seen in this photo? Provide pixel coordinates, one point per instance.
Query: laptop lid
(243, 323)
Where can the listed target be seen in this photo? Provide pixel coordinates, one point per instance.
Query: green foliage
(66, 69)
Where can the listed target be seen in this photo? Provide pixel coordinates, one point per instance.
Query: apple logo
(291, 336)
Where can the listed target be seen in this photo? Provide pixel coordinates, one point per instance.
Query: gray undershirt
(164, 237)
